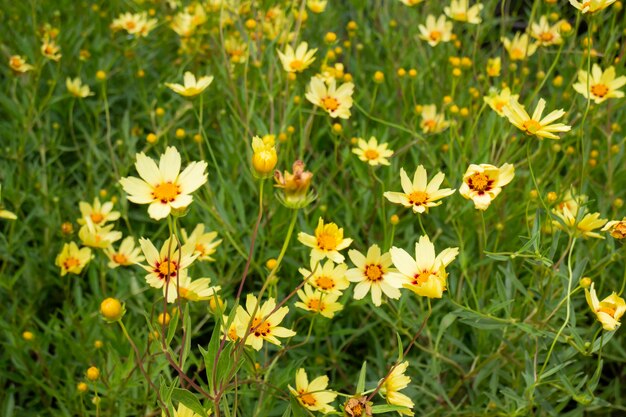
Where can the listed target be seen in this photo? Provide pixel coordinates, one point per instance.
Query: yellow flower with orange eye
(98, 213)
(328, 278)
(591, 6)
(19, 65)
(191, 86)
(98, 236)
(393, 384)
(436, 30)
(545, 34)
(71, 259)
(498, 101)
(197, 290)
(519, 48)
(494, 66)
(326, 243)
(50, 49)
(420, 194)
(313, 395)
(433, 122)
(616, 228)
(204, 244)
(318, 302)
(599, 85)
(336, 101)
(483, 183)
(265, 323)
(76, 88)
(127, 254)
(372, 152)
(608, 311)
(542, 127)
(298, 60)
(567, 218)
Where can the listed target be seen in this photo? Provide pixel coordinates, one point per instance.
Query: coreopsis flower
(396, 382)
(328, 278)
(494, 66)
(298, 60)
(318, 302)
(136, 24)
(335, 101)
(461, 11)
(420, 194)
(608, 311)
(433, 122)
(204, 244)
(264, 156)
(18, 64)
(98, 213)
(265, 323)
(371, 152)
(519, 48)
(326, 243)
(546, 34)
(616, 228)
(185, 23)
(373, 273)
(164, 187)
(601, 85)
(591, 6)
(236, 49)
(313, 395)
(191, 86)
(76, 88)
(167, 268)
(535, 125)
(98, 236)
(317, 6)
(426, 274)
(482, 183)
(127, 254)
(567, 214)
(436, 30)
(295, 186)
(50, 49)
(197, 290)
(498, 101)
(71, 259)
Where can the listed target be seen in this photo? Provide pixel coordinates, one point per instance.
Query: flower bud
(264, 156)
(112, 310)
(295, 186)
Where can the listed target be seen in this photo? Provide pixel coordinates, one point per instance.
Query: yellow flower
(326, 243)
(498, 101)
(568, 214)
(520, 47)
(295, 186)
(298, 60)
(164, 187)
(373, 273)
(183, 411)
(18, 64)
(185, 23)
(236, 49)
(98, 236)
(191, 87)
(371, 152)
(436, 30)
(616, 228)
(317, 6)
(482, 183)
(166, 267)
(50, 50)
(545, 34)
(419, 194)
(264, 156)
(391, 387)
(318, 302)
(535, 125)
(98, 213)
(327, 278)
(265, 323)
(196, 290)
(126, 255)
(608, 311)
(461, 11)
(71, 259)
(426, 274)
(336, 101)
(76, 88)
(601, 85)
(494, 66)
(136, 24)
(432, 122)
(591, 6)
(313, 396)
(111, 309)
(204, 244)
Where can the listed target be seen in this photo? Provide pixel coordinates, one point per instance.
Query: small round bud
(101, 75)
(151, 138)
(28, 336)
(533, 194)
(82, 387)
(159, 111)
(412, 73)
(552, 197)
(394, 219)
(379, 77)
(337, 128)
(67, 228)
(180, 133)
(163, 320)
(271, 263)
(111, 309)
(401, 72)
(330, 37)
(93, 373)
(585, 282)
(98, 344)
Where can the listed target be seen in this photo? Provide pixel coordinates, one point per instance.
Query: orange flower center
(200, 248)
(166, 192)
(260, 328)
(517, 53)
(418, 198)
(296, 65)
(421, 277)
(166, 267)
(619, 230)
(325, 283)
(96, 217)
(130, 25)
(500, 105)
(330, 103)
(371, 154)
(306, 398)
(599, 90)
(71, 262)
(435, 35)
(120, 258)
(327, 241)
(315, 304)
(15, 62)
(374, 272)
(480, 182)
(430, 124)
(546, 36)
(531, 126)
(462, 16)
(608, 310)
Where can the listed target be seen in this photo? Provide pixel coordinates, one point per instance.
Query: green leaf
(188, 400)
(387, 408)
(360, 385)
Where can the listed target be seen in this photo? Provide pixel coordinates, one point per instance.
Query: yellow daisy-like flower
(568, 216)
(191, 87)
(204, 244)
(591, 6)
(426, 274)
(601, 85)
(461, 11)
(608, 311)
(317, 6)
(373, 273)
(98, 213)
(164, 187)
(482, 183)
(76, 88)
(126, 255)
(264, 325)
(328, 278)
(136, 24)
(546, 34)
(616, 228)
(326, 243)
(298, 60)
(494, 66)
(167, 268)
(18, 64)
(313, 396)
(71, 259)
(433, 122)
(196, 290)
(325, 94)
(50, 50)
(535, 125)
(372, 152)
(396, 382)
(498, 101)
(98, 236)
(519, 48)
(436, 30)
(420, 194)
(236, 49)
(318, 302)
